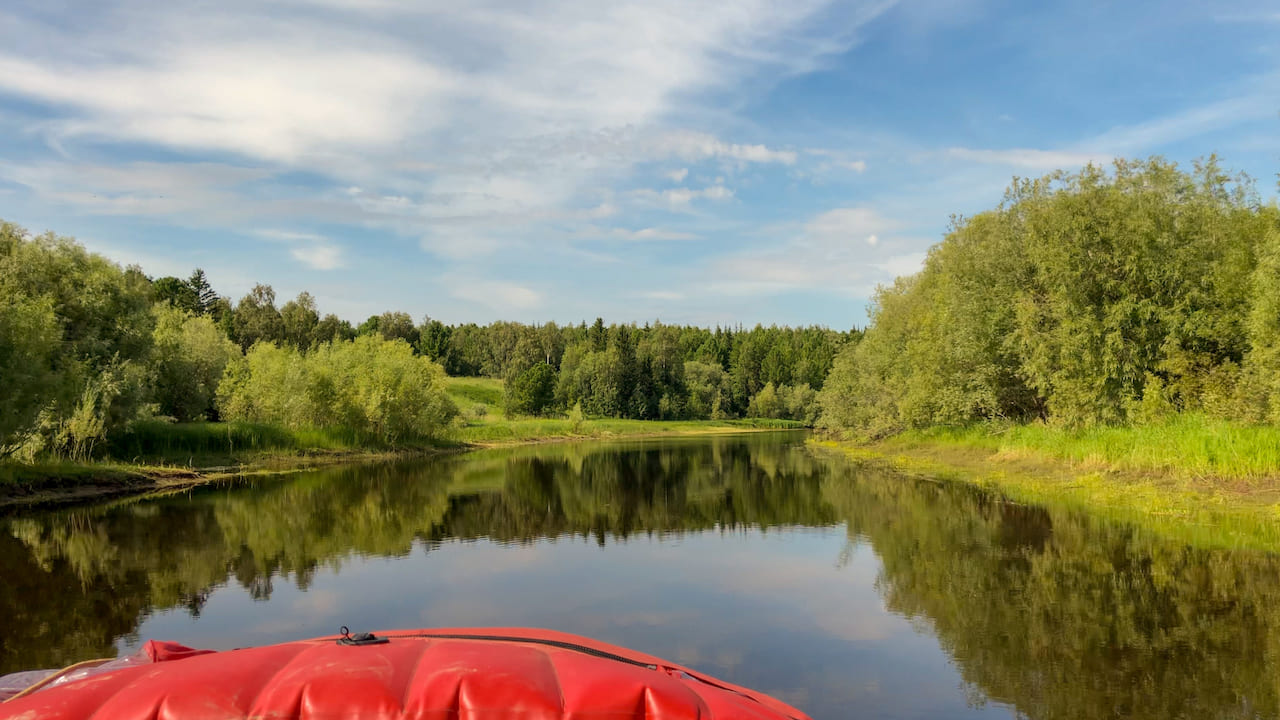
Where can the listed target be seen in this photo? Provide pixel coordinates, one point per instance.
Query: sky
(691, 162)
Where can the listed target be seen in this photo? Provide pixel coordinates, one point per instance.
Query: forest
(89, 349)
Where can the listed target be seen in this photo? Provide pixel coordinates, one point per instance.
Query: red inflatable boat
(440, 674)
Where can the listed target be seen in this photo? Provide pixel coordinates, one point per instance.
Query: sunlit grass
(1207, 482)
(501, 430)
(209, 443)
(469, 392)
(1188, 445)
(493, 427)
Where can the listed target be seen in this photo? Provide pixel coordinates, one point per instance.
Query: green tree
(175, 292)
(433, 339)
(531, 392)
(29, 344)
(767, 403)
(398, 326)
(331, 328)
(256, 318)
(1260, 389)
(206, 299)
(1089, 297)
(187, 363)
(94, 381)
(300, 321)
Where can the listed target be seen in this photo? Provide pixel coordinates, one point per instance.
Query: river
(847, 591)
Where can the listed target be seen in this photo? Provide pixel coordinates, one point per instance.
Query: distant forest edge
(89, 349)
(1108, 296)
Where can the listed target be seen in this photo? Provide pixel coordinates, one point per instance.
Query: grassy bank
(483, 423)
(525, 430)
(158, 455)
(1202, 481)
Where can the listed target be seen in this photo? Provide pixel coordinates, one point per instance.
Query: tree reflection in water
(1049, 611)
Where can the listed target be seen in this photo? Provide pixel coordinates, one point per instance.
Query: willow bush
(369, 385)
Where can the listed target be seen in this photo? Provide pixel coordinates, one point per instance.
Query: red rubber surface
(532, 677)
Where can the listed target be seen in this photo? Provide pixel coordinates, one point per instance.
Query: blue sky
(694, 162)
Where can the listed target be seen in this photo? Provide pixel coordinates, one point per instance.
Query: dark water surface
(846, 591)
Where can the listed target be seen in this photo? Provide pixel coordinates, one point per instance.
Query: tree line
(88, 347)
(650, 371)
(1101, 296)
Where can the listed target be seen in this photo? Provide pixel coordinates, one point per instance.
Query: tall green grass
(210, 443)
(468, 392)
(1188, 444)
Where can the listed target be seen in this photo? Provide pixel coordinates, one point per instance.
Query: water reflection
(98, 572)
(724, 553)
(1067, 617)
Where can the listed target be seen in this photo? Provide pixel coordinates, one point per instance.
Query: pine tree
(205, 297)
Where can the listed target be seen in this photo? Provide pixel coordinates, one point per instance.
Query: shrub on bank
(374, 387)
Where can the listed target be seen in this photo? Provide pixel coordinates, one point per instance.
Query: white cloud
(463, 119)
(283, 82)
(271, 103)
(1255, 102)
(835, 160)
(501, 296)
(678, 176)
(202, 189)
(899, 265)
(701, 146)
(664, 295)
(846, 251)
(678, 198)
(460, 244)
(840, 225)
(660, 234)
(318, 257)
(643, 234)
(316, 252)
(290, 236)
(1030, 159)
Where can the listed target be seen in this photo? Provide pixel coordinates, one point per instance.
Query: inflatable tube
(435, 674)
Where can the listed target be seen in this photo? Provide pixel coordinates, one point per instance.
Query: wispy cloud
(847, 251)
(1254, 103)
(835, 160)
(647, 234)
(318, 257)
(1030, 159)
(190, 190)
(678, 198)
(469, 115)
(504, 297)
(316, 252)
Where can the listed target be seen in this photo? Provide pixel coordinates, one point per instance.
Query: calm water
(848, 592)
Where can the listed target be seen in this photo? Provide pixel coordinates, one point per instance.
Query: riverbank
(170, 457)
(524, 431)
(65, 482)
(1205, 482)
(482, 422)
